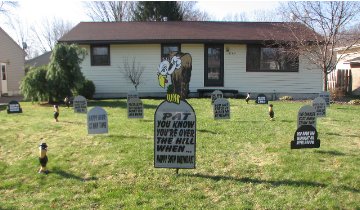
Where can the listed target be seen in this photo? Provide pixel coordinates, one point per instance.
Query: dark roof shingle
(176, 31)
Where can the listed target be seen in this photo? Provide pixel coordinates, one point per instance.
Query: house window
(271, 59)
(100, 55)
(167, 49)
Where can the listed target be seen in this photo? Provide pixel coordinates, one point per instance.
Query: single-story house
(347, 73)
(12, 59)
(225, 56)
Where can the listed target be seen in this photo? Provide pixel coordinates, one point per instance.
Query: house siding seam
(110, 80)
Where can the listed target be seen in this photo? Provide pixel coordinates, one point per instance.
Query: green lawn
(244, 162)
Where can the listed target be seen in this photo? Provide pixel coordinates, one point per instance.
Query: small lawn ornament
(56, 113)
(67, 101)
(247, 98)
(271, 112)
(43, 159)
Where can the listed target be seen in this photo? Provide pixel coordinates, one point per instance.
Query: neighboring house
(12, 58)
(40, 60)
(225, 56)
(347, 74)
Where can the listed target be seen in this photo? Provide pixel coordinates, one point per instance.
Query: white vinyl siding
(110, 79)
(307, 80)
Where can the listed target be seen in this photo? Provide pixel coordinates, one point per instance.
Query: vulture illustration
(179, 68)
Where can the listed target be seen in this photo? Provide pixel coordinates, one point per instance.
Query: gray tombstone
(135, 108)
(174, 135)
(326, 96)
(221, 109)
(132, 94)
(80, 104)
(97, 121)
(216, 94)
(319, 105)
(306, 116)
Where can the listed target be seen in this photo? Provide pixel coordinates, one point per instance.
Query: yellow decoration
(162, 80)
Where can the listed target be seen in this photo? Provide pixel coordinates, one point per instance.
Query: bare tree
(110, 11)
(23, 37)
(49, 32)
(241, 16)
(5, 7)
(191, 13)
(265, 16)
(328, 21)
(132, 71)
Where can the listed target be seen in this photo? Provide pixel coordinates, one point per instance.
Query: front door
(3, 78)
(214, 65)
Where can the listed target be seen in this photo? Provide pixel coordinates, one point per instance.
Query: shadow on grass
(287, 121)
(71, 122)
(112, 103)
(3, 107)
(274, 183)
(206, 131)
(67, 175)
(142, 120)
(259, 181)
(117, 103)
(248, 121)
(126, 137)
(336, 134)
(330, 152)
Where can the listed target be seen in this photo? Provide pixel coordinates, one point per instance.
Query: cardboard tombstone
(132, 94)
(14, 107)
(326, 96)
(135, 108)
(305, 136)
(261, 99)
(174, 135)
(319, 105)
(80, 104)
(215, 95)
(97, 121)
(221, 109)
(306, 116)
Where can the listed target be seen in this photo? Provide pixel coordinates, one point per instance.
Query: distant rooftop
(41, 60)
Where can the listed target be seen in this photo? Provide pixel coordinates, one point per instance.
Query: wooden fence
(340, 79)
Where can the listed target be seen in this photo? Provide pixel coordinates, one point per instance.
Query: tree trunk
(325, 86)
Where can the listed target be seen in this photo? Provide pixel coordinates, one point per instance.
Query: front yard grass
(244, 162)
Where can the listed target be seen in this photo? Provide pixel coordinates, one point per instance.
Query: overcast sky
(34, 12)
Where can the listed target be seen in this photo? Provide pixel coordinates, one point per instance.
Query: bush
(35, 86)
(286, 98)
(87, 89)
(337, 94)
(355, 102)
(64, 73)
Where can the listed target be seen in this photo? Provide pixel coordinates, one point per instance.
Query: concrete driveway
(7, 99)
